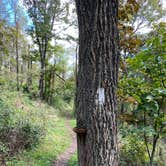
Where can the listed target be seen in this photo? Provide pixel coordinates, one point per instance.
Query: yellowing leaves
(127, 11)
(130, 119)
(130, 100)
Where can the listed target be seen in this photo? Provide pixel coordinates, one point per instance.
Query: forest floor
(63, 159)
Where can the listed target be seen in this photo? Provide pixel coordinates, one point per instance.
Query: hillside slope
(54, 139)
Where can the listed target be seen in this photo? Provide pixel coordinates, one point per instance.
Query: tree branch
(60, 77)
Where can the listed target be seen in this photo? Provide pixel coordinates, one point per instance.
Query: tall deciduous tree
(43, 14)
(145, 89)
(97, 82)
(136, 16)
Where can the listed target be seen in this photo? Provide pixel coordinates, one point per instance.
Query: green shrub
(132, 151)
(17, 132)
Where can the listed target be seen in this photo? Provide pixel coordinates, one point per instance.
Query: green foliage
(17, 132)
(132, 151)
(145, 84)
(73, 160)
(134, 16)
(43, 14)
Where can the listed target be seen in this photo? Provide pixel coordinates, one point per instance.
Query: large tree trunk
(97, 82)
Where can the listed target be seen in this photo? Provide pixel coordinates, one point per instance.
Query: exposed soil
(63, 158)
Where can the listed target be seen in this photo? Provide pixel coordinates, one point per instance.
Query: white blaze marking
(101, 96)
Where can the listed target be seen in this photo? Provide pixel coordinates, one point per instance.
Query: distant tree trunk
(17, 57)
(1, 61)
(52, 84)
(42, 77)
(29, 79)
(97, 82)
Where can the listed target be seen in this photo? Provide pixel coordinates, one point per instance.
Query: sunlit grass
(73, 123)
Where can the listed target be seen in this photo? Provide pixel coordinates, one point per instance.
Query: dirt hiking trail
(64, 158)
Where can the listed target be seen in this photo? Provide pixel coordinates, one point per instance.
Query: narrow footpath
(64, 158)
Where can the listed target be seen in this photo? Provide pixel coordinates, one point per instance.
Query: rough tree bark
(97, 82)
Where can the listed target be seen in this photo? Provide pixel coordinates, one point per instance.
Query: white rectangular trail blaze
(101, 96)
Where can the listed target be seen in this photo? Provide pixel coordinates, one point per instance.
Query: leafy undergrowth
(53, 144)
(73, 160)
(55, 139)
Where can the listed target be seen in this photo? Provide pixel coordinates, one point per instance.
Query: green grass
(73, 123)
(73, 161)
(55, 142)
(56, 138)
